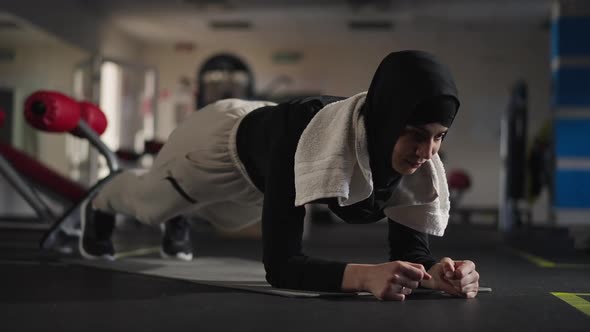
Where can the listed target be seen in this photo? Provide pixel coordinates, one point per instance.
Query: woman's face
(416, 145)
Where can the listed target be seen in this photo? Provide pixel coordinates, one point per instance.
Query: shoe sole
(82, 226)
(180, 256)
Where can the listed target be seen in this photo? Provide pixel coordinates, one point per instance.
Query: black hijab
(409, 87)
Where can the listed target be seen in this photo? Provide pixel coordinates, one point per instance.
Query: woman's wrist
(429, 283)
(355, 277)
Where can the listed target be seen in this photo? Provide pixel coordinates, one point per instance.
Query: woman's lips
(413, 164)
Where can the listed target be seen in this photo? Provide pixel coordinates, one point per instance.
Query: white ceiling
(171, 21)
(161, 21)
(16, 32)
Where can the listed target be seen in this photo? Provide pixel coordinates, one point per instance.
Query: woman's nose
(425, 150)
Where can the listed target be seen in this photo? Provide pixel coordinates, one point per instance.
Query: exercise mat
(227, 272)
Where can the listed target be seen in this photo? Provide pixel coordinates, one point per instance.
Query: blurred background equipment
(540, 163)
(513, 143)
(459, 183)
(570, 103)
(224, 76)
(6, 102)
(40, 186)
(54, 112)
(126, 92)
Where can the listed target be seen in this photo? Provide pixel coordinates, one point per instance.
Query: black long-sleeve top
(266, 142)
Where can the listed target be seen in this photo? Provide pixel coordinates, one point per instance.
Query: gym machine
(52, 111)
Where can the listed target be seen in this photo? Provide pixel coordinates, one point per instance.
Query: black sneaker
(65, 243)
(176, 242)
(97, 228)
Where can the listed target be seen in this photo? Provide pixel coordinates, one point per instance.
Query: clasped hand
(458, 278)
(395, 280)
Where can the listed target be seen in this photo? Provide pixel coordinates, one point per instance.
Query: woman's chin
(405, 167)
(406, 170)
(410, 171)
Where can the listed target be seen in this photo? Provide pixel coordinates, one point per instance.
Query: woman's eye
(440, 137)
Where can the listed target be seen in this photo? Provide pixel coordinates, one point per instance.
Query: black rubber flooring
(39, 291)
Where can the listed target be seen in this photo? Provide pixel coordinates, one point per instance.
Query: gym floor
(539, 284)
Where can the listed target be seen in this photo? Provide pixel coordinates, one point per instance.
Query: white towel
(332, 160)
(332, 157)
(421, 200)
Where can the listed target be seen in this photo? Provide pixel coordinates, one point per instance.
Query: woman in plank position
(241, 164)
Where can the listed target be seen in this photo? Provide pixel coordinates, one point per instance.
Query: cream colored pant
(200, 157)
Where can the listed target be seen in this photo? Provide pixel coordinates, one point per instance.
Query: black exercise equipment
(513, 155)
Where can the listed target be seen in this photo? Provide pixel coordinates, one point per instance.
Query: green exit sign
(6, 55)
(287, 57)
